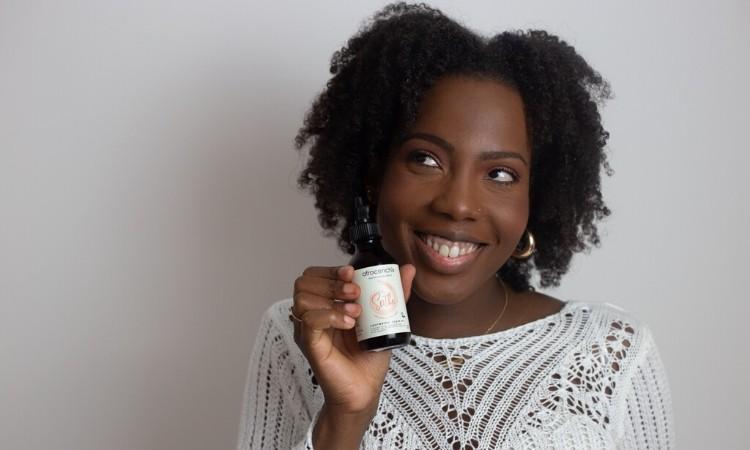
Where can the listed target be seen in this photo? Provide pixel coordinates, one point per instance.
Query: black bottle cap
(363, 229)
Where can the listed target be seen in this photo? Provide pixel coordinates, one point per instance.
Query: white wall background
(148, 210)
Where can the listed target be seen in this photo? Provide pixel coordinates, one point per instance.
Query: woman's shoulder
(611, 330)
(276, 318)
(277, 330)
(606, 315)
(601, 319)
(277, 356)
(278, 310)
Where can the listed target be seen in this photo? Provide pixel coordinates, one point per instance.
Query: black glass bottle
(383, 323)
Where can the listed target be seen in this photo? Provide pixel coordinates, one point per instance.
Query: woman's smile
(446, 256)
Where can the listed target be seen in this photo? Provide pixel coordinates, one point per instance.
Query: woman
(495, 147)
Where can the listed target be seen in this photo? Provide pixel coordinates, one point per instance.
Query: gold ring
(292, 316)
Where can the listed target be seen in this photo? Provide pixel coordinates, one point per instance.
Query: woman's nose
(457, 199)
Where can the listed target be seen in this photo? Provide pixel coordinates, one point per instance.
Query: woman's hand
(351, 379)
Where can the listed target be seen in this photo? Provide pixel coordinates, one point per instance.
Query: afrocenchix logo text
(367, 272)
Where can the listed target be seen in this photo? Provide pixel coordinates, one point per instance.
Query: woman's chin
(433, 294)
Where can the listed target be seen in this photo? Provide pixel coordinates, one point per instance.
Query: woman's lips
(444, 264)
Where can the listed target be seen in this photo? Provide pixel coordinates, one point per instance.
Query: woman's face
(458, 183)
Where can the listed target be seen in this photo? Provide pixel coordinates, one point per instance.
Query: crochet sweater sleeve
(647, 408)
(280, 400)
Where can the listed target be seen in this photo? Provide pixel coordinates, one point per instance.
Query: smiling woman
(481, 158)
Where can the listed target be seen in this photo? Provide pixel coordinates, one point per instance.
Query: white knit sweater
(588, 376)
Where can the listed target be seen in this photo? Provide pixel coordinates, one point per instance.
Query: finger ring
(292, 316)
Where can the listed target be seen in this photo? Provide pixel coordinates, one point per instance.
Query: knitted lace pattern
(587, 377)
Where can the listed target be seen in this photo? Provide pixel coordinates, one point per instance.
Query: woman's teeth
(449, 249)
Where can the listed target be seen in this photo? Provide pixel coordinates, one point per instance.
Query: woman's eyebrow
(483, 156)
(440, 142)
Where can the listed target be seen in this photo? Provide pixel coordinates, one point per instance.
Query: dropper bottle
(384, 323)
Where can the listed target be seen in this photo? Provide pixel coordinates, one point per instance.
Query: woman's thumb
(408, 272)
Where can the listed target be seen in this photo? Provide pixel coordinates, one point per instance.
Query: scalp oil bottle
(384, 323)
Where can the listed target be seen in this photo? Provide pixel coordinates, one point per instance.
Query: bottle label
(382, 301)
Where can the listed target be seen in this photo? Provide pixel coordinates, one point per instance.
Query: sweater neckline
(428, 341)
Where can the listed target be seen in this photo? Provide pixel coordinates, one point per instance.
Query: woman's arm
(342, 431)
(274, 413)
(648, 416)
(280, 414)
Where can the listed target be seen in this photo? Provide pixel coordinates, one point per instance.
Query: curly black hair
(381, 75)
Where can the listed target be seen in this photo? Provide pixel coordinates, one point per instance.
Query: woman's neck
(473, 315)
(468, 317)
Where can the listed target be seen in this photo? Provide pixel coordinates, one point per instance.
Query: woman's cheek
(384, 225)
(518, 219)
(394, 222)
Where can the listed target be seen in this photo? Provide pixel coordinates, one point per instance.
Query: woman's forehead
(468, 112)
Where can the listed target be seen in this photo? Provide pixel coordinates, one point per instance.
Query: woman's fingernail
(348, 320)
(350, 307)
(348, 289)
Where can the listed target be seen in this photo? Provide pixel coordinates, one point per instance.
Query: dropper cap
(363, 229)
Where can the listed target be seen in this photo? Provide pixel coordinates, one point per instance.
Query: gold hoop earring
(528, 249)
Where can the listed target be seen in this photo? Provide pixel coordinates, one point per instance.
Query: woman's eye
(424, 159)
(502, 175)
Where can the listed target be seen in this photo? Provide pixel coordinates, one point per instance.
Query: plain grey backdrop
(149, 214)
